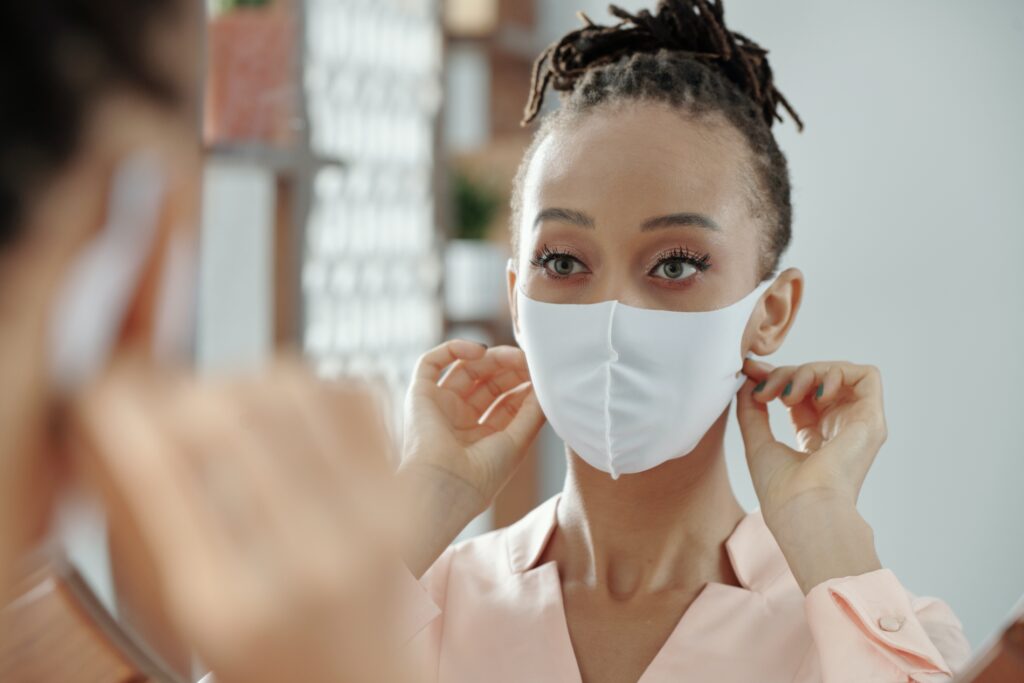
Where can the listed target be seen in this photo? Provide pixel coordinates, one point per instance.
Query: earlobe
(777, 312)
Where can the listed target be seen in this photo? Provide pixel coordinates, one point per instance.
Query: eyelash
(702, 262)
(546, 255)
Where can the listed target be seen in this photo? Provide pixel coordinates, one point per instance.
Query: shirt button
(891, 624)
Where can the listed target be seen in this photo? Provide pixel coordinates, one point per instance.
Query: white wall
(909, 195)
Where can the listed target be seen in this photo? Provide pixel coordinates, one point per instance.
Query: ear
(513, 300)
(775, 313)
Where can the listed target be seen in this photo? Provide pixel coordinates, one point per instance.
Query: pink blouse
(489, 613)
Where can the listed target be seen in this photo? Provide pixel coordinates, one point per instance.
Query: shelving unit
(355, 239)
(494, 41)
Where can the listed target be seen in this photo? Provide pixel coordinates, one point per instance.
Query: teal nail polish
(821, 390)
(788, 390)
(760, 386)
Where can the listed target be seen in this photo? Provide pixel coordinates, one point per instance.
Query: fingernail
(788, 389)
(482, 344)
(821, 390)
(760, 386)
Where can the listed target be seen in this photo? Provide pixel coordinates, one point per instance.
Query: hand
(466, 432)
(808, 495)
(253, 499)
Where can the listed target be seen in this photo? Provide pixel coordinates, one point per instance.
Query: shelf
(277, 158)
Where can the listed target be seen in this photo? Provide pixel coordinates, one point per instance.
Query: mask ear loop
(515, 294)
(93, 301)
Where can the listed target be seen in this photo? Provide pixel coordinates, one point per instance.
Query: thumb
(764, 453)
(753, 418)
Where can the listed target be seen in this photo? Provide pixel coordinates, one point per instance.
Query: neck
(656, 530)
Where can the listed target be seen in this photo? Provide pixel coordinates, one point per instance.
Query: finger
(757, 370)
(348, 423)
(464, 375)
(432, 364)
(517, 414)
(867, 381)
(842, 379)
(140, 467)
(340, 508)
(286, 506)
(800, 384)
(345, 421)
(806, 423)
(287, 426)
(226, 464)
(489, 391)
(830, 386)
(773, 386)
(500, 412)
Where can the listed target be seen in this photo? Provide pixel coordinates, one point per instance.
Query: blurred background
(360, 157)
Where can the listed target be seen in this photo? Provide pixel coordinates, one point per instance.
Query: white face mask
(90, 311)
(629, 388)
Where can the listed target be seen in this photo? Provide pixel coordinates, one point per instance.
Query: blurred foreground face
(248, 516)
(72, 118)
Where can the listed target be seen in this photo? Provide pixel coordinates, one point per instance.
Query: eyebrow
(678, 220)
(675, 220)
(565, 216)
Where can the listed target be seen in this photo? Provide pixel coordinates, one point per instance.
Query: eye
(564, 266)
(680, 264)
(674, 269)
(558, 264)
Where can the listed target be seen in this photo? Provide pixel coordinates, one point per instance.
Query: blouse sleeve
(868, 628)
(425, 610)
(418, 607)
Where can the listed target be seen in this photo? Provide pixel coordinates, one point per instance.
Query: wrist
(823, 537)
(438, 507)
(453, 495)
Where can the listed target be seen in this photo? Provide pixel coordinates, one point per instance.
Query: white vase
(475, 280)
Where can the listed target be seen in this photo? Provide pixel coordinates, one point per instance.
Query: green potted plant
(474, 287)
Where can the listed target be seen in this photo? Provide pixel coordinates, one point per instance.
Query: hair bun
(692, 27)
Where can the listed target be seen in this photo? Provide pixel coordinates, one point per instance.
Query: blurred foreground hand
(265, 509)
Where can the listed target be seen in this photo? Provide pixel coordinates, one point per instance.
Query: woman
(650, 216)
(218, 542)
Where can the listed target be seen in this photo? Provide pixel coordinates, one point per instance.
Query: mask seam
(612, 357)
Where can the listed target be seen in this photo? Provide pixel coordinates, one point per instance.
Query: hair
(682, 56)
(57, 60)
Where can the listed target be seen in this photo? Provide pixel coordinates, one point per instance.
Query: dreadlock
(682, 55)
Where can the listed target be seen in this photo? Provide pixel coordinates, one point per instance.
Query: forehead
(632, 162)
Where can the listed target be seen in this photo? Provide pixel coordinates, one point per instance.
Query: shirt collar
(528, 537)
(756, 558)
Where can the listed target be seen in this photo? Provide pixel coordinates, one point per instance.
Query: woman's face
(641, 205)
